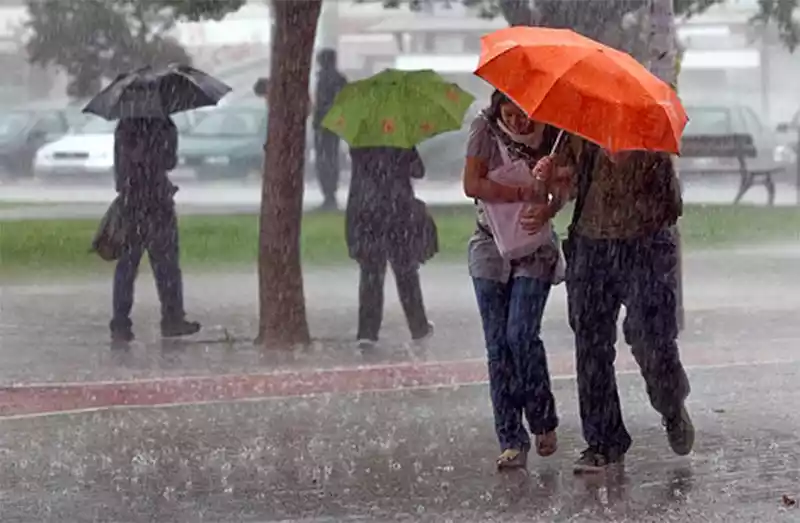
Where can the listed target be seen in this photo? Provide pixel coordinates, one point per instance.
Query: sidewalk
(416, 455)
(91, 201)
(213, 430)
(740, 305)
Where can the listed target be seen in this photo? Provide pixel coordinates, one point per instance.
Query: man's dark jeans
(603, 275)
(326, 149)
(370, 303)
(519, 380)
(157, 234)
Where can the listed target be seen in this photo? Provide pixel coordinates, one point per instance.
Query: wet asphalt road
(395, 455)
(419, 455)
(745, 300)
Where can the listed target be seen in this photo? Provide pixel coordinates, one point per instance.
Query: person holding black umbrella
(145, 150)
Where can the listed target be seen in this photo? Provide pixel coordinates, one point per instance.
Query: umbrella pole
(558, 142)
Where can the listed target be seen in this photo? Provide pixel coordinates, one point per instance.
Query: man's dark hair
(261, 87)
(327, 59)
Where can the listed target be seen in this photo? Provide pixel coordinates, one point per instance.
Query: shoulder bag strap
(586, 166)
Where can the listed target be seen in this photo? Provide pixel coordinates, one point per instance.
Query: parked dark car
(23, 132)
(228, 143)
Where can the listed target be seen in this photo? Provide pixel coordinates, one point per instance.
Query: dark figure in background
(326, 144)
(145, 149)
(385, 223)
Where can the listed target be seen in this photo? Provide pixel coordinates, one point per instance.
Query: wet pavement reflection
(414, 455)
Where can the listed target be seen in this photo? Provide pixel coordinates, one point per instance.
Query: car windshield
(97, 125)
(13, 123)
(227, 122)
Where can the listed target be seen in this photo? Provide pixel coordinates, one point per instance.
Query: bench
(732, 146)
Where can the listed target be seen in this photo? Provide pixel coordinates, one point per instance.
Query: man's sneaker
(175, 329)
(594, 462)
(680, 432)
(366, 344)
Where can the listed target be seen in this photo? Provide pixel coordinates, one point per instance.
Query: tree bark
(282, 311)
(662, 62)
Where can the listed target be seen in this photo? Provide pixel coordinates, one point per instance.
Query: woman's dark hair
(549, 137)
(497, 100)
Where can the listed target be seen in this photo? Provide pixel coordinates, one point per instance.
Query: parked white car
(87, 151)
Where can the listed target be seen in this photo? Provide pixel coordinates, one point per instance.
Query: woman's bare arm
(478, 185)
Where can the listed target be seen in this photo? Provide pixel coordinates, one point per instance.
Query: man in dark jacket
(145, 149)
(326, 144)
(622, 250)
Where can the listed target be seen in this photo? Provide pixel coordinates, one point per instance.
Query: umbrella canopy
(572, 82)
(149, 92)
(397, 109)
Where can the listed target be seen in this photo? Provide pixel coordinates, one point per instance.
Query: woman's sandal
(546, 444)
(512, 459)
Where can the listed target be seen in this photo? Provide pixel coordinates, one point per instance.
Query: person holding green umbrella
(383, 118)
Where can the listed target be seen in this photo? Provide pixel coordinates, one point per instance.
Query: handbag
(504, 219)
(111, 236)
(427, 230)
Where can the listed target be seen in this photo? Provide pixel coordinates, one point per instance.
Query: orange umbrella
(572, 82)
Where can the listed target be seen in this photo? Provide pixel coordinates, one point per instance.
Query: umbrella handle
(557, 143)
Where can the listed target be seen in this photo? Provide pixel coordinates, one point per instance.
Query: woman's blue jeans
(518, 377)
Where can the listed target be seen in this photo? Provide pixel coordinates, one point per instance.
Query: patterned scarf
(520, 151)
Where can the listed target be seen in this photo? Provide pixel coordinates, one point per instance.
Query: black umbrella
(149, 92)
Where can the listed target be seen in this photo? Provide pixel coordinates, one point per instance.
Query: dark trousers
(326, 149)
(370, 303)
(519, 380)
(158, 235)
(603, 275)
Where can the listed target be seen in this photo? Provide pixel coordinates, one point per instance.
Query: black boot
(121, 331)
(178, 328)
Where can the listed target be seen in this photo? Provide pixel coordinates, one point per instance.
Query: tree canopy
(97, 39)
(603, 19)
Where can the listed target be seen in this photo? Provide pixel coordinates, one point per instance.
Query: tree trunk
(282, 318)
(662, 49)
(662, 62)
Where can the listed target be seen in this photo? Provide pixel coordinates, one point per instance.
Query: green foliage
(602, 19)
(782, 13)
(38, 247)
(96, 39)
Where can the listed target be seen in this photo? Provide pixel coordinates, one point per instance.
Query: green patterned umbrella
(397, 109)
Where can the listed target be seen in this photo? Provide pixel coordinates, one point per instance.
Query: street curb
(34, 399)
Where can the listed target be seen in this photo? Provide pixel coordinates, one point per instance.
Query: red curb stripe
(43, 398)
(50, 398)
